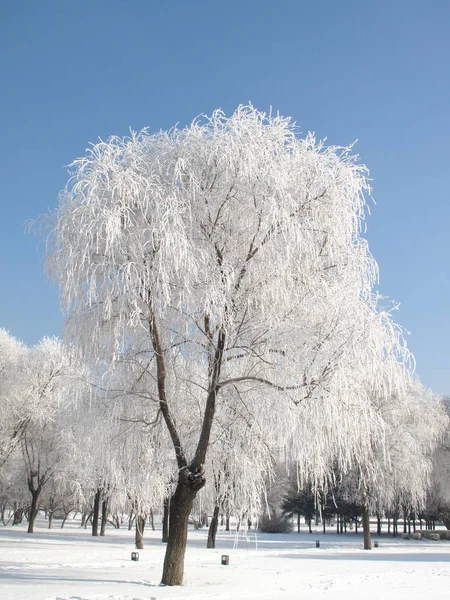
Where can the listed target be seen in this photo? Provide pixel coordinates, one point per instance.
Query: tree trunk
(378, 525)
(33, 510)
(95, 514)
(139, 537)
(88, 518)
(180, 508)
(366, 528)
(50, 520)
(18, 516)
(227, 522)
(152, 520)
(211, 543)
(298, 522)
(165, 523)
(104, 516)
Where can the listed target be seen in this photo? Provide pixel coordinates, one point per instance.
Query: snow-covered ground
(70, 564)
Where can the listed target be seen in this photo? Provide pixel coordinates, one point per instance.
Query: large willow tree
(225, 262)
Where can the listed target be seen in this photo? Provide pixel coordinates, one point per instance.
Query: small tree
(14, 421)
(50, 380)
(301, 503)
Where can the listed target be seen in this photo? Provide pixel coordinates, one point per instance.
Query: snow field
(69, 564)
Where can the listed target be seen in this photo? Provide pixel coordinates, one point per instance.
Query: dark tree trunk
(50, 520)
(180, 509)
(88, 518)
(298, 522)
(190, 478)
(95, 514)
(324, 525)
(211, 543)
(378, 525)
(18, 516)
(356, 524)
(165, 523)
(104, 516)
(389, 525)
(309, 526)
(227, 523)
(366, 528)
(152, 520)
(139, 537)
(33, 510)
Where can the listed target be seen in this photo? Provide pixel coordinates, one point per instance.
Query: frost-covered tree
(132, 465)
(50, 380)
(239, 464)
(438, 500)
(13, 422)
(14, 494)
(399, 473)
(227, 259)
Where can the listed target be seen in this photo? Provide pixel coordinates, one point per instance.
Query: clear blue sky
(376, 71)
